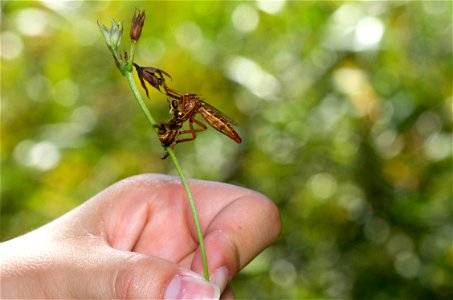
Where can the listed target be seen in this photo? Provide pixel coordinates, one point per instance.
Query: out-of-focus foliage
(344, 110)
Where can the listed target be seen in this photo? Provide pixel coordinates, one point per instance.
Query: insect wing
(217, 112)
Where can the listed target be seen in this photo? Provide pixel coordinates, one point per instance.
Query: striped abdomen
(218, 121)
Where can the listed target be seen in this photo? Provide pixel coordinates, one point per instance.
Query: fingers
(150, 214)
(237, 232)
(87, 252)
(238, 223)
(121, 211)
(88, 268)
(227, 294)
(131, 275)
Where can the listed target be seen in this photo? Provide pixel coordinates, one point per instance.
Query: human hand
(137, 239)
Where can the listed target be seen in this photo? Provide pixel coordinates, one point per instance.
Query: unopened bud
(137, 25)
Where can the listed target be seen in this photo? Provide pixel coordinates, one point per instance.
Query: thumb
(120, 274)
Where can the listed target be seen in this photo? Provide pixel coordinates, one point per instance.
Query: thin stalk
(131, 57)
(138, 97)
(141, 103)
(194, 212)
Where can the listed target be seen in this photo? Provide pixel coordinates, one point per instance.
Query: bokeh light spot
(322, 185)
(38, 87)
(65, 92)
(354, 28)
(399, 243)
(189, 36)
(349, 80)
(11, 45)
(42, 155)
(351, 199)
(249, 74)
(354, 83)
(85, 117)
(283, 273)
(32, 21)
(438, 146)
(62, 5)
(245, 18)
(388, 144)
(407, 264)
(271, 6)
(153, 51)
(369, 33)
(21, 151)
(347, 14)
(428, 123)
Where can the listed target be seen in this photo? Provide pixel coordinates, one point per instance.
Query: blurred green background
(345, 111)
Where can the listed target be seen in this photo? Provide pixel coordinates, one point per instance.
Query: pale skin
(137, 239)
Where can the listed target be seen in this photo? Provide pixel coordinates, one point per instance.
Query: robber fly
(167, 132)
(186, 107)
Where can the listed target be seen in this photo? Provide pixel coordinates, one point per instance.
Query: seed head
(154, 76)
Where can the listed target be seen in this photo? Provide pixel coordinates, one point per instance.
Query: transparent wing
(219, 113)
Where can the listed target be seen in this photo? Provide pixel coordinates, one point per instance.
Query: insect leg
(192, 131)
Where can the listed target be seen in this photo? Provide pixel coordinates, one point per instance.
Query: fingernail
(184, 286)
(220, 278)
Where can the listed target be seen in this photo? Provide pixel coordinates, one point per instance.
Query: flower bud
(116, 33)
(113, 35)
(137, 25)
(105, 32)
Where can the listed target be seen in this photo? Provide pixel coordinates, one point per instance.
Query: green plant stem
(131, 57)
(141, 103)
(194, 212)
(138, 97)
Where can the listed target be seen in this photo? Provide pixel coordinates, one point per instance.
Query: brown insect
(167, 133)
(186, 107)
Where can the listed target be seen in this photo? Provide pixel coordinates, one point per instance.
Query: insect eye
(161, 129)
(174, 104)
